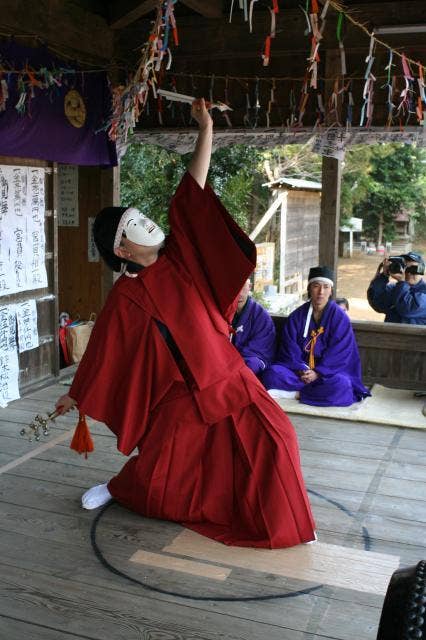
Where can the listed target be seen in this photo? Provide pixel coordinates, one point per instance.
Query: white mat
(396, 407)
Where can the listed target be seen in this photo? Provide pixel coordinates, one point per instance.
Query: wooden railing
(393, 355)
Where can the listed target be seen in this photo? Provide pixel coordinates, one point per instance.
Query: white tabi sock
(95, 497)
(314, 540)
(281, 393)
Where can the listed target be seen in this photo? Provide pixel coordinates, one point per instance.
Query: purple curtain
(61, 123)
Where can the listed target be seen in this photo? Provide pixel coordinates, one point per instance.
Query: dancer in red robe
(214, 450)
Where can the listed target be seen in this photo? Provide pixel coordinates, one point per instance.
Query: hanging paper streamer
(251, 15)
(324, 10)
(231, 10)
(308, 22)
(224, 113)
(266, 55)
(350, 106)
(421, 83)
(292, 104)
(4, 93)
(368, 92)
(341, 45)
(405, 106)
(256, 104)
(246, 118)
(270, 104)
(244, 2)
(390, 89)
(130, 101)
(320, 110)
(304, 96)
(421, 99)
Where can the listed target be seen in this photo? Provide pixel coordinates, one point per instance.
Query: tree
(150, 176)
(380, 181)
(356, 180)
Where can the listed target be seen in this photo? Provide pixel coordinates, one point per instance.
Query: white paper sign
(331, 143)
(92, 250)
(26, 316)
(22, 238)
(68, 195)
(9, 365)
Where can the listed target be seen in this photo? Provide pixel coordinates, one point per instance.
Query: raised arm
(200, 161)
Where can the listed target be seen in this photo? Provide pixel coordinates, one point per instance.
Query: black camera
(397, 264)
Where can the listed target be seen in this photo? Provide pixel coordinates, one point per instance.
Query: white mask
(138, 229)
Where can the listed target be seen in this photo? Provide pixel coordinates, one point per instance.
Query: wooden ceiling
(111, 33)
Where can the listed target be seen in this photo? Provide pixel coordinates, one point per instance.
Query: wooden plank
(118, 613)
(171, 563)
(15, 629)
(319, 563)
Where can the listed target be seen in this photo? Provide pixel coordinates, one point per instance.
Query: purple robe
(336, 359)
(254, 336)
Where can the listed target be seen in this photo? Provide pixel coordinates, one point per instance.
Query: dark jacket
(400, 302)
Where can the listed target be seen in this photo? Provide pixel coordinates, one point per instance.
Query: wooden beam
(65, 26)
(210, 9)
(125, 16)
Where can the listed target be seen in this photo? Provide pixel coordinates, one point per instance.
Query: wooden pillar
(283, 241)
(330, 213)
(331, 180)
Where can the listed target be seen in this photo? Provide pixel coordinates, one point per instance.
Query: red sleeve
(125, 371)
(211, 241)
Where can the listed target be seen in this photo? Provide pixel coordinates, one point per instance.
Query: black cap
(104, 230)
(320, 272)
(413, 256)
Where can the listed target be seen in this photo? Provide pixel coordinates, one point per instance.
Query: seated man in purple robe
(318, 357)
(254, 332)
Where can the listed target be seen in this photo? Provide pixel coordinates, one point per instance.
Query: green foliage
(356, 180)
(236, 175)
(381, 180)
(149, 177)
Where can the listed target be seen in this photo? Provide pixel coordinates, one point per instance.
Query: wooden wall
(303, 213)
(393, 355)
(83, 285)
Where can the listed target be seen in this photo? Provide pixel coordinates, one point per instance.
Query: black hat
(413, 256)
(321, 274)
(104, 230)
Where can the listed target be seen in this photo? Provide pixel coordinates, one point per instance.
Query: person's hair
(343, 301)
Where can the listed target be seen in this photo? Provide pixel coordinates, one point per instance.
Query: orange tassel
(82, 440)
(314, 337)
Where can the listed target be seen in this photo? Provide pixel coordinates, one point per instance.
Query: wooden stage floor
(367, 485)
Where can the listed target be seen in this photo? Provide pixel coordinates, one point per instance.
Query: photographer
(405, 300)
